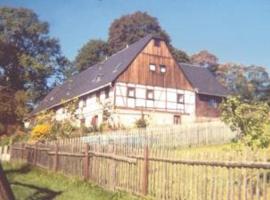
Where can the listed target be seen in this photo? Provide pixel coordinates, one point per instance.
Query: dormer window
(162, 69)
(152, 67)
(157, 42)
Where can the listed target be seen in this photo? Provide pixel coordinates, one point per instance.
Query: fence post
(86, 162)
(145, 171)
(55, 167)
(35, 154)
(23, 149)
(112, 169)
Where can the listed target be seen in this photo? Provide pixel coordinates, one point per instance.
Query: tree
(204, 58)
(28, 59)
(91, 53)
(250, 82)
(130, 28)
(250, 119)
(28, 56)
(180, 56)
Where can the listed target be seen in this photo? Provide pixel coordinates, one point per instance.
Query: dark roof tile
(94, 77)
(203, 80)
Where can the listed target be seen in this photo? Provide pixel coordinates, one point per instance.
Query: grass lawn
(36, 184)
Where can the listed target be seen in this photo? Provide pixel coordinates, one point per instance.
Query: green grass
(36, 184)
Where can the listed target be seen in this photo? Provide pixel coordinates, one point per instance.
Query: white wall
(88, 107)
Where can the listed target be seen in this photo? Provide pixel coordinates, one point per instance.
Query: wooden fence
(163, 174)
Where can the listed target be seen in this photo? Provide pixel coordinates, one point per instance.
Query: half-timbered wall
(165, 99)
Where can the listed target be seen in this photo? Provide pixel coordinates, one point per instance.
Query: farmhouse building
(141, 80)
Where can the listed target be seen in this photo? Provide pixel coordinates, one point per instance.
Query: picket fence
(193, 134)
(158, 173)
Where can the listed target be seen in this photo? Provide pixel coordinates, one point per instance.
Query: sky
(234, 30)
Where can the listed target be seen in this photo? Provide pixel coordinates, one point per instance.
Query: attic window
(152, 67)
(157, 42)
(162, 69)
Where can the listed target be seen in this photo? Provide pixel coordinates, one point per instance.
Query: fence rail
(163, 174)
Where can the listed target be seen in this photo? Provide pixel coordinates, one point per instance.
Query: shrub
(141, 123)
(251, 119)
(40, 132)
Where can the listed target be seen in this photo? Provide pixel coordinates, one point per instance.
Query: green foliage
(250, 119)
(180, 56)
(249, 82)
(91, 53)
(130, 28)
(141, 122)
(63, 129)
(28, 58)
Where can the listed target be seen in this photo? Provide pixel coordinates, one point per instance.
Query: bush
(141, 123)
(251, 119)
(40, 132)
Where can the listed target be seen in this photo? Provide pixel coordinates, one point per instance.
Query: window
(131, 92)
(162, 69)
(180, 98)
(152, 67)
(176, 119)
(150, 94)
(213, 103)
(98, 96)
(107, 93)
(157, 42)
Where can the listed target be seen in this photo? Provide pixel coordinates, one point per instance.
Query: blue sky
(234, 30)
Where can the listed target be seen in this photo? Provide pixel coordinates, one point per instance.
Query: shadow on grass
(40, 193)
(24, 169)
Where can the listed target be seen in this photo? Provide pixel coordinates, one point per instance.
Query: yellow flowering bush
(40, 131)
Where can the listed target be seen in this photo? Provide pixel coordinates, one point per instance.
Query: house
(142, 79)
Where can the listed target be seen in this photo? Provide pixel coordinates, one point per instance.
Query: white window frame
(152, 67)
(163, 69)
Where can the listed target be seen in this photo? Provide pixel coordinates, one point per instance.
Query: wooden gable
(139, 71)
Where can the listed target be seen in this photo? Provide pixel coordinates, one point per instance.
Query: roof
(95, 77)
(203, 80)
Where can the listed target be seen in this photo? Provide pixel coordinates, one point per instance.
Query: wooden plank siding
(203, 109)
(139, 73)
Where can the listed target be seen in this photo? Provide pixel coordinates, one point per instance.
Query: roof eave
(78, 96)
